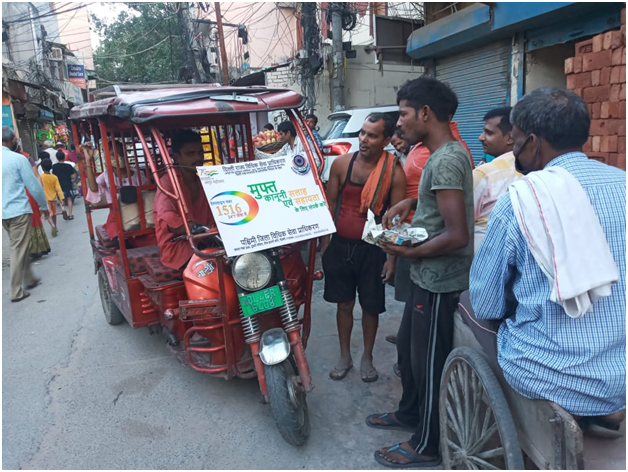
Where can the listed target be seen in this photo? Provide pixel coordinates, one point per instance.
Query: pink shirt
(166, 213)
(103, 186)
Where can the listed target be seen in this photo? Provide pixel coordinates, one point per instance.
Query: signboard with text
(7, 119)
(76, 74)
(266, 203)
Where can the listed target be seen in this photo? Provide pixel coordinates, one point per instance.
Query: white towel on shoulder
(565, 237)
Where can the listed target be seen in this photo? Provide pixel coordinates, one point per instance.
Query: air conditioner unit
(55, 54)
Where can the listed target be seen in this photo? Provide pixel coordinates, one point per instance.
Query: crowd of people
(29, 196)
(535, 239)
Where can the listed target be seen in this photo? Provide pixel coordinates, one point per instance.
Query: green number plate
(259, 302)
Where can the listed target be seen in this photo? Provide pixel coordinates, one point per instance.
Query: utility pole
(223, 50)
(311, 44)
(185, 23)
(338, 81)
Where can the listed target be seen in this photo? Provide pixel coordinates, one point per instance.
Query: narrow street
(80, 394)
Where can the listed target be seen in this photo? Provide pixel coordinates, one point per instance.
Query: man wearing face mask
(16, 212)
(491, 180)
(187, 153)
(557, 245)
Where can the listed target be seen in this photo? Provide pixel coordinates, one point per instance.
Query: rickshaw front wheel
(288, 402)
(113, 315)
(476, 428)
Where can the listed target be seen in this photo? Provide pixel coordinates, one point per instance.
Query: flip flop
(417, 462)
(65, 215)
(370, 376)
(26, 295)
(392, 338)
(71, 217)
(34, 284)
(339, 374)
(393, 423)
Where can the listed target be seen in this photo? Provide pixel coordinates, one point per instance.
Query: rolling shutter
(481, 79)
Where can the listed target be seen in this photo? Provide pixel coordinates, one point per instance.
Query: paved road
(80, 394)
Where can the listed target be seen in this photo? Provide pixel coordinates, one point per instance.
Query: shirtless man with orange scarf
(368, 179)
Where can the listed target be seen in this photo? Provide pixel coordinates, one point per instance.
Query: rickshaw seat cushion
(160, 273)
(103, 237)
(137, 258)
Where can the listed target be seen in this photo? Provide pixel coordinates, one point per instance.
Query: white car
(341, 135)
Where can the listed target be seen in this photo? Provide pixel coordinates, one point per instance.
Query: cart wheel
(113, 315)
(476, 429)
(287, 402)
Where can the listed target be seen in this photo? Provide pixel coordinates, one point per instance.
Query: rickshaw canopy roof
(147, 103)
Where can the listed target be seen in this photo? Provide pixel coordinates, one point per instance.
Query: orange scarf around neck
(378, 185)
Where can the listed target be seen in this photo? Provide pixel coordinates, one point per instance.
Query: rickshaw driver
(187, 153)
(544, 353)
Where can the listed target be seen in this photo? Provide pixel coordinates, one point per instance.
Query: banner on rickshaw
(266, 203)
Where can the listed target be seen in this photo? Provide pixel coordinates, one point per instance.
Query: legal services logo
(212, 173)
(300, 165)
(234, 208)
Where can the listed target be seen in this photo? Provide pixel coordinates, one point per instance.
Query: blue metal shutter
(481, 79)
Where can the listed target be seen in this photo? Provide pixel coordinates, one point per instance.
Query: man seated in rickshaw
(187, 153)
(552, 267)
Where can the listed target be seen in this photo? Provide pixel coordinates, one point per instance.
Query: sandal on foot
(369, 376)
(416, 461)
(71, 217)
(26, 295)
(392, 338)
(339, 374)
(65, 215)
(393, 423)
(34, 284)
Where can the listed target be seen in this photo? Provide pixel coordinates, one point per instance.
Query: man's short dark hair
(312, 116)
(287, 127)
(503, 112)
(269, 127)
(389, 122)
(46, 164)
(182, 137)
(7, 134)
(558, 116)
(60, 155)
(398, 133)
(426, 91)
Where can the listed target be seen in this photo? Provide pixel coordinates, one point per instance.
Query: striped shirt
(579, 364)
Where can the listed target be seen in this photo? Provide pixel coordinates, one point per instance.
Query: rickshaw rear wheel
(288, 402)
(113, 315)
(477, 431)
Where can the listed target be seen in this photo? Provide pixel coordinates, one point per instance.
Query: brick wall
(598, 74)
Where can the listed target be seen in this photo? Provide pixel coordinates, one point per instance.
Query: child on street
(52, 189)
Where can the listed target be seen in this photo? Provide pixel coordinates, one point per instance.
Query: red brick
(609, 110)
(598, 43)
(621, 128)
(615, 92)
(596, 94)
(595, 143)
(623, 16)
(605, 75)
(596, 60)
(577, 64)
(618, 75)
(623, 56)
(607, 39)
(618, 54)
(577, 91)
(617, 40)
(621, 145)
(612, 159)
(587, 146)
(605, 127)
(595, 77)
(581, 80)
(584, 47)
(595, 111)
(608, 144)
(599, 156)
(569, 65)
(622, 75)
(622, 110)
(621, 160)
(622, 92)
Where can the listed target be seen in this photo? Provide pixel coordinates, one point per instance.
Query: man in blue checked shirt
(579, 364)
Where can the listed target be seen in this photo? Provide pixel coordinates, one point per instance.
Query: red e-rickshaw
(199, 308)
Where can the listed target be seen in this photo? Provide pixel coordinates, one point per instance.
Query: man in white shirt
(491, 180)
(292, 144)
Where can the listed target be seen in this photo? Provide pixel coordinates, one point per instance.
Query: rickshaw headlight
(252, 271)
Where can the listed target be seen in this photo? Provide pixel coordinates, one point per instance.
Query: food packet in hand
(402, 235)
